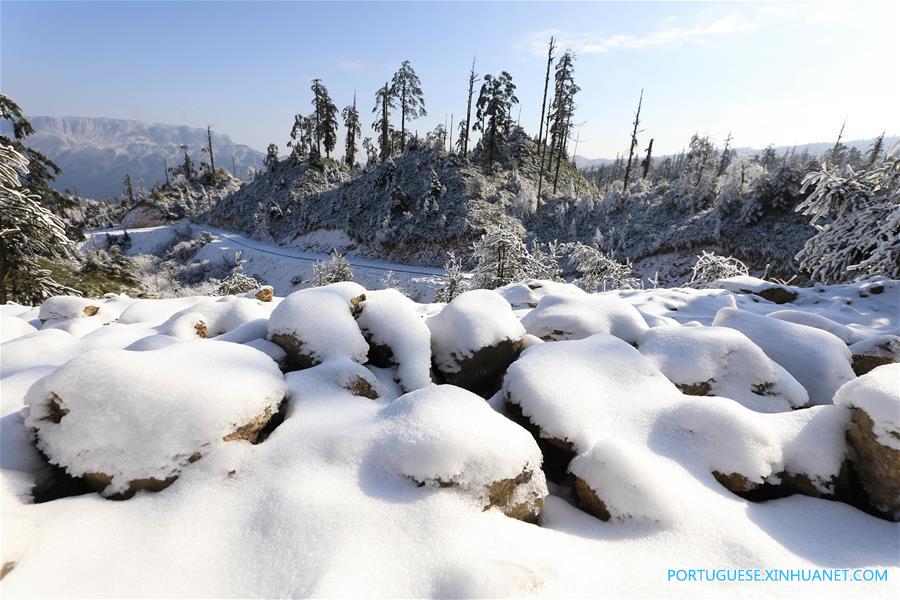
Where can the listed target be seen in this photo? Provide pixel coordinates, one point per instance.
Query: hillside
(95, 154)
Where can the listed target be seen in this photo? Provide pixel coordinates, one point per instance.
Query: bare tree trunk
(472, 76)
(450, 134)
(543, 111)
(212, 162)
(166, 170)
(637, 120)
(561, 151)
(646, 162)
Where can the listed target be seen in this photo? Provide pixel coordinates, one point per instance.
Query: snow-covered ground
(278, 266)
(616, 458)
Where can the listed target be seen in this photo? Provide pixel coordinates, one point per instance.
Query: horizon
(111, 57)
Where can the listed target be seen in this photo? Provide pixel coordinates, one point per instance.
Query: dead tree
(472, 77)
(645, 164)
(542, 142)
(634, 132)
(212, 162)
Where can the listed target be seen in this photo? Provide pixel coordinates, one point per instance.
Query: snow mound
(745, 284)
(215, 317)
(527, 293)
(718, 361)
(817, 359)
(875, 351)
(13, 327)
(397, 336)
(846, 335)
(315, 324)
(443, 434)
(70, 307)
(45, 347)
(573, 317)
(152, 342)
(121, 418)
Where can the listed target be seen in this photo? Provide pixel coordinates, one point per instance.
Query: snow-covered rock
(213, 317)
(875, 351)
(315, 324)
(13, 327)
(718, 361)
(474, 339)
(745, 284)
(397, 336)
(133, 420)
(446, 436)
(846, 335)
(817, 359)
(874, 433)
(573, 316)
(527, 293)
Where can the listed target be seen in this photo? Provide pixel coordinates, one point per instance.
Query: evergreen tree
(501, 257)
(727, 153)
(494, 104)
(187, 165)
(354, 131)
(407, 89)
(454, 282)
(271, 157)
(41, 170)
(129, 190)
(540, 140)
(384, 103)
(562, 109)
(28, 232)
(874, 152)
(325, 126)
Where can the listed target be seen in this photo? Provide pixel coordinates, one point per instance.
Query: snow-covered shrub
(711, 267)
(237, 282)
(334, 270)
(858, 217)
(500, 257)
(543, 261)
(598, 271)
(454, 283)
(112, 263)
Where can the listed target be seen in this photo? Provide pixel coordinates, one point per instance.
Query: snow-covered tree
(493, 112)
(543, 261)
(28, 231)
(500, 257)
(858, 218)
(237, 282)
(454, 283)
(562, 109)
(112, 263)
(407, 90)
(598, 271)
(325, 114)
(354, 131)
(337, 268)
(710, 267)
(271, 160)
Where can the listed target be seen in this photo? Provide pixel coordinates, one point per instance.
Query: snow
(529, 292)
(473, 320)
(391, 319)
(141, 415)
(817, 359)
(879, 345)
(444, 433)
(877, 393)
(749, 285)
(330, 504)
(846, 335)
(13, 327)
(728, 361)
(221, 316)
(572, 317)
(320, 319)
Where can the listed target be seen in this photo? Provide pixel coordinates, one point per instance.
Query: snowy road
(280, 251)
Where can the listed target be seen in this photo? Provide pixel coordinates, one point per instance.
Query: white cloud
(595, 44)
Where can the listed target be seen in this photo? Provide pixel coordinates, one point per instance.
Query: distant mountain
(95, 154)
(815, 148)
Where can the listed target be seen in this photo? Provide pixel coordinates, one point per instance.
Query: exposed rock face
(516, 497)
(877, 465)
(695, 389)
(265, 293)
(778, 295)
(589, 501)
(736, 483)
(360, 387)
(875, 352)
(296, 358)
(144, 214)
(482, 372)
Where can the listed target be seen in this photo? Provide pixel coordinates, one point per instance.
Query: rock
(736, 483)
(777, 294)
(516, 498)
(773, 292)
(874, 352)
(360, 387)
(589, 501)
(265, 294)
(877, 465)
(144, 214)
(482, 372)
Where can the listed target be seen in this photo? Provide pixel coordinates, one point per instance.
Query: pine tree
(325, 126)
(726, 156)
(407, 89)
(129, 190)
(874, 153)
(41, 170)
(501, 257)
(454, 283)
(634, 132)
(384, 103)
(354, 131)
(494, 104)
(271, 157)
(187, 165)
(29, 231)
(562, 109)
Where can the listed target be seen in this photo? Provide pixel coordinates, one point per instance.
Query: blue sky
(780, 73)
